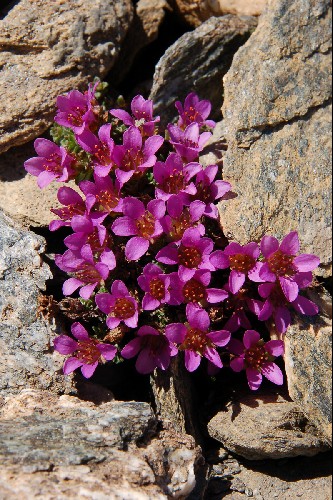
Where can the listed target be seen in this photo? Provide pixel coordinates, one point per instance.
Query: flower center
(281, 264)
(146, 225)
(256, 356)
(102, 154)
(88, 274)
(204, 193)
(68, 212)
(132, 160)
(157, 288)
(191, 114)
(179, 226)
(53, 164)
(107, 200)
(196, 340)
(75, 117)
(123, 308)
(94, 242)
(88, 352)
(189, 257)
(194, 291)
(190, 144)
(241, 263)
(155, 343)
(174, 183)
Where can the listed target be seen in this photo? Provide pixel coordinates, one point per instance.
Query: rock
(195, 12)
(48, 48)
(66, 448)
(265, 425)
(308, 361)
(215, 149)
(278, 127)
(148, 17)
(197, 62)
(25, 337)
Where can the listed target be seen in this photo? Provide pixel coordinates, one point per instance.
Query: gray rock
(308, 361)
(262, 426)
(277, 118)
(197, 62)
(48, 48)
(25, 338)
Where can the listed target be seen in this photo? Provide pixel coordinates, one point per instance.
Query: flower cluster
(142, 246)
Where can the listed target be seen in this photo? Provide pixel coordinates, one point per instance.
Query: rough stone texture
(278, 128)
(25, 338)
(308, 361)
(48, 48)
(20, 197)
(265, 425)
(148, 17)
(197, 62)
(197, 11)
(215, 149)
(65, 448)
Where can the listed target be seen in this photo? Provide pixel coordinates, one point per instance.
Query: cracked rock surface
(278, 124)
(51, 47)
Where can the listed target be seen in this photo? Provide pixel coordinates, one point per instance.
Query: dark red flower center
(191, 114)
(88, 352)
(102, 154)
(256, 356)
(132, 160)
(189, 257)
(76, 117)
(196, 340)
(194, 291)
(241, 263)
(107, 200)
(155, 343)
(281, 264)
(53, 164)
(179, 226)
(88, 274)
(190, 144)
(68, 212)
(123, 308)
(157, 288)
(94, 242)
(146, 225)
(204, 193)
(174, 183)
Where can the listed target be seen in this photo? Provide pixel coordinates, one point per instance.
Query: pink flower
(52, 163)
(209, 191)
(189, 142)
(103, 194)
(256, 357)
(192, 254)
(86, 273)
(181, 217)
(195, 339)
(194, 111)
(76, 110)
(276, 304)
(134, 156)
(242, 261)
(73, 205)
(88, 229)
(282, 263)
(100, 148)
(196, 290)
(119, 306)
(87, 352)
(155, 350)
(139, 222)
(156, 286)
(142, 115)
(173, 177)
(239, 305)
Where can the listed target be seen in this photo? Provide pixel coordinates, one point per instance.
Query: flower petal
(71, 364)
(275, 348)
(79, 332)
(237, 364)
(306, 262)
(89, 370)
(269, 245)
(136, 248)
(65, 345)
(273, 373)
(192, 360)
(305, 306)
(289, 288)
(107, 351)
(212, 355)
(215, 295)
(176, 332)
(290, 244)
(254, 379)
(220, 338)
(251, 338)
(132, 348)
(282, 319)
(197, 317)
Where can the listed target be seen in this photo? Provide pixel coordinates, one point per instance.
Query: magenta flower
(155, 350)
(87, 352)
(139, 222)
(195, 339)
(103, 194)
(282, 264)
(134, 156)
(119, 306)
(196, 290)
(88, 229)
(73, 204)
(192, 254)
(181, 217)
(276, 304)
(173, 177)
(100, 148)
(76, 110)
(209, 190)
(189, 142)
(194, 111)
(239, 305)
(52, 163)
(86, 273)
(242, 261)
(256, 357)
(156, 286)
(142, 115)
